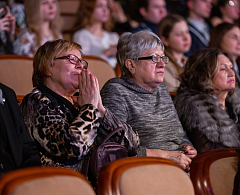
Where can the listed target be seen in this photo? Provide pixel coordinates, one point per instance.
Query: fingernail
(186, 152)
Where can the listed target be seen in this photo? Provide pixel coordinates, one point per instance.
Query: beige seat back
(143, 175)
(45, 180)
(100, 68)
(213, 172)
(16, 73)
(222, 173)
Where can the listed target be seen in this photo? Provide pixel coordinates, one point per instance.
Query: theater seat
(143, 175)
(45, 181)
(213, 172)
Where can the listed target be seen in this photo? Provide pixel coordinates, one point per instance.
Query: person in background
(174, 33)
(206, 103)
(151, 12)
(17, 10)
(226, 11)
(95, 23)
(7, 29)
(17, 149)
(140, 98)
(226, 36)
(198, 14)
(42, 24)
(64, 125)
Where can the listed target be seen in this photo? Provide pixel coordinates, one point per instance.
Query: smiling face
(48, 9)
(231, 42)
(224, 81)
(63, 75)
(146, 73)
(179, 39)
(101, 11)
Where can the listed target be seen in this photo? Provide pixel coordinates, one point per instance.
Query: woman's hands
(111, 51)
(117, 11)
(178, 156)
(189, 151)
(89, 91)
(7, 23)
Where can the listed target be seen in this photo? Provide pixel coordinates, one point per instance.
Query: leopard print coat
(65, 135)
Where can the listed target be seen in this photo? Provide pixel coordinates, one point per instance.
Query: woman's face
(48, 9)
(231, 10)
(63, 75)
(101, 11)
(224, 80)
(149, 74)
(231, 42)
(179, 39)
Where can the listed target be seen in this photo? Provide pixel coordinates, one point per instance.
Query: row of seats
(211, 173)
(16, 72)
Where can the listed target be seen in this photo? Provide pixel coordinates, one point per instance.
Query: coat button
(1, 166)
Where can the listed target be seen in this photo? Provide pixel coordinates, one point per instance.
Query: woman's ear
(130, 65)
(165, 41)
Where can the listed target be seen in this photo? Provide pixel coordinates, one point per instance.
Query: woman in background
(206, 103)
(174, 33)
(94, 22)
(225, 11)
(226, 36)
(42, 22)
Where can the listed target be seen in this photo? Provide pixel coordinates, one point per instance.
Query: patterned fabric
(65, 133)
(26, 43)
(151, 114)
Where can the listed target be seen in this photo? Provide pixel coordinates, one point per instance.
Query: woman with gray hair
(140, 98)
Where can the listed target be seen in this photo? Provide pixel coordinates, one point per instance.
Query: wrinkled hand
(88, 89)
(111, 51)
(190, 151)
(117, 11)
(179, 157)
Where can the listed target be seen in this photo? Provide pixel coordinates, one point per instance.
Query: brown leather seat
(143, 175)
(45, 181)
(213, 172)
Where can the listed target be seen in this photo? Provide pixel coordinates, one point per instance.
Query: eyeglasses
(155, 58)
(74, 60)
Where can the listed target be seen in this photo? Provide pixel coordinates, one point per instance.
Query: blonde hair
(33, 16)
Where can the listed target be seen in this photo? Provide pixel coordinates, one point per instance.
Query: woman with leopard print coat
(64, 126)
(207, 105)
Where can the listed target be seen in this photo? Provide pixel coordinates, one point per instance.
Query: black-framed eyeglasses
(74, 60)
(155, 58)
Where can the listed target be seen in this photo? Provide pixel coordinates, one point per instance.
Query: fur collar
(197, 110)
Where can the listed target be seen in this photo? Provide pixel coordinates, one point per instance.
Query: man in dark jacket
(17, 149)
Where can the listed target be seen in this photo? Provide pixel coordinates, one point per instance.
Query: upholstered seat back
(16, 73)
(222, 173)
(155, 179)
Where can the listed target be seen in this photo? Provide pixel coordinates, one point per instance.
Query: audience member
(226, 11)
(141, 99)
(151, 12)
(17, 10)
(174, 33)
(64, 127)
(226, 36)
(42, 22)
(94, 22)
(198, 13)
(17, 148)
(207, 105)
(7, 29)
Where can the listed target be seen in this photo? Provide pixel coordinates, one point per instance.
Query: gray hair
(133, 45)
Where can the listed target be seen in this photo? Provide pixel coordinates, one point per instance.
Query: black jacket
(22, 148)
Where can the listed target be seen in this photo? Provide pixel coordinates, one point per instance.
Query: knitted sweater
(151, 114)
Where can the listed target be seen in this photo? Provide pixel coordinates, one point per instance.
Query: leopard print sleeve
(50, 128)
